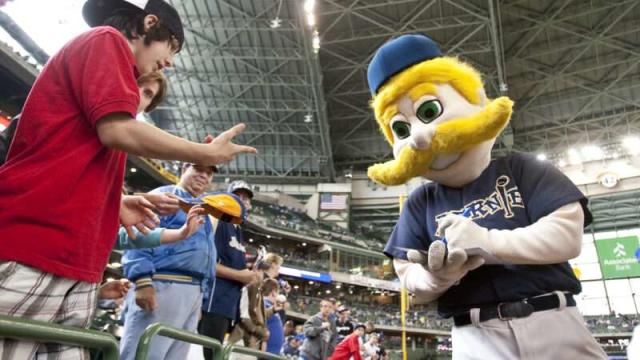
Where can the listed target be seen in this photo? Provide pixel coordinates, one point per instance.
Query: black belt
(517, 309)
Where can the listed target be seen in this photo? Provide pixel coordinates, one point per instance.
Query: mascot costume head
(434, 112)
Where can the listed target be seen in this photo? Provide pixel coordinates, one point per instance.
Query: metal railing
(24, 329)
(219, 353)
(258, 354)
(142, 353)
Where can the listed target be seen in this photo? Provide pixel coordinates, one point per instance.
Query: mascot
(487, 239)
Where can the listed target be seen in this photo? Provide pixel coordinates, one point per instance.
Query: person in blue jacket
(169, 278)
(220, 305)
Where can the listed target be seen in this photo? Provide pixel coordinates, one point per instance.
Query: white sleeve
(552, 239)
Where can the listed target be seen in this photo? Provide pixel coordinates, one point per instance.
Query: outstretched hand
(136, 211)
(223, 150)
(194, 220)
(164, 203)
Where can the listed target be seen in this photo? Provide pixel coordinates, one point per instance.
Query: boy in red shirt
(62, 181)
(349, 348)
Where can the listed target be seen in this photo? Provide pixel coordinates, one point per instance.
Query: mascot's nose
(422, 136)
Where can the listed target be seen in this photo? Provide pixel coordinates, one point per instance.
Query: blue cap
(397, 55)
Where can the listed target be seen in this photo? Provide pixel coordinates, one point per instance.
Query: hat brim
(248, 191)
(95, 12)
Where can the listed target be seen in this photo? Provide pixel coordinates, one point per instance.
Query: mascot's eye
(429, 111)
(401, 129)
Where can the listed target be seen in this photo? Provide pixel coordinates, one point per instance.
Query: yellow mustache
(453, 136)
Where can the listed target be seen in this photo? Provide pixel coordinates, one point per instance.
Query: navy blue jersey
(512, 192)
(223, 295)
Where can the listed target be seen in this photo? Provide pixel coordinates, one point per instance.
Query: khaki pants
(553, 334)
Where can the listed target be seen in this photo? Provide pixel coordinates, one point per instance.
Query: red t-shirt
(348, 348)
(60, 187)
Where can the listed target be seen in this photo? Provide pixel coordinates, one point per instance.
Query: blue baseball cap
(397, 55)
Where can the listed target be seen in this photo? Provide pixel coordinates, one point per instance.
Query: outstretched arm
(120, 131)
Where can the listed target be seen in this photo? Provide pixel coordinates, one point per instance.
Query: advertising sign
(618, 257)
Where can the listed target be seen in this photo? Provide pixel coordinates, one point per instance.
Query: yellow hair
(444, 70)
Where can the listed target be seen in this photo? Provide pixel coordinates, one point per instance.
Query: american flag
(333, 202)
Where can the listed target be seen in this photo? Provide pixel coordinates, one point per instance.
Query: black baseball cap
(95, 12)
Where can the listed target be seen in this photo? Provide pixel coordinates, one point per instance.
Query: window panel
(592, 300)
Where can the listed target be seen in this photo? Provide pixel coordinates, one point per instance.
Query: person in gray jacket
(318, 332)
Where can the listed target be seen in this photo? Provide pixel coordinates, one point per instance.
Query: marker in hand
(422, 256)
(440, 234)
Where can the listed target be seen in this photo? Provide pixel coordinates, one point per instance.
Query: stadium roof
(571, 67)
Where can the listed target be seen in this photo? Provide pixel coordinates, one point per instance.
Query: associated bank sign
(617, 257)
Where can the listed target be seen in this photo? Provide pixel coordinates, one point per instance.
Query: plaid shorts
(30, 293)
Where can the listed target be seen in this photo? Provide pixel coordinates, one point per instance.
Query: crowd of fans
(291, 219)
(388, 315)
(615, 323)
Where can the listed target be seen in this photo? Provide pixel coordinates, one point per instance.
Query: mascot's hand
(445, 271)
(463, 233)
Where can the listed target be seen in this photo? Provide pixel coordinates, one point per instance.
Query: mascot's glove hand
(444, 271)
(463, 233)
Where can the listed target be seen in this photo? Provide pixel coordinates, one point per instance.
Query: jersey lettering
(504, 199)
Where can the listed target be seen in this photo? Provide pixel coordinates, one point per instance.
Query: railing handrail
(27, 329)
(152, 330)
(256, 353)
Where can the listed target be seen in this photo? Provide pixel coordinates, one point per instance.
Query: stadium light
(309, 5)
(542, 157)
(311, 282)
(308, 118)
(592, 152)
(632, 145)
(304, 244)
(562, 163)
(311, 20)
(574, 157)
(316, 41)
(275, 23)
(133, 170)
